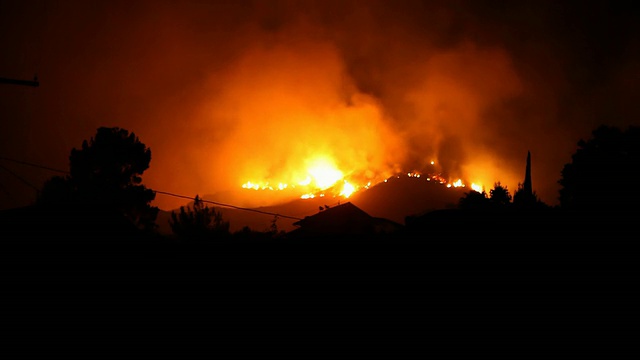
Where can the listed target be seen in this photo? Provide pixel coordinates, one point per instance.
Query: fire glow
(307, 134)
(323, 178)
(321, 175)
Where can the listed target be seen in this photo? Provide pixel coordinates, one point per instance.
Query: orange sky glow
(303, 96)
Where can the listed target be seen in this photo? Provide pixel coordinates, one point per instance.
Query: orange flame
(324, 177)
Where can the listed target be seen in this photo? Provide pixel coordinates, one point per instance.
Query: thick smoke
(229, 92)
(297, 89)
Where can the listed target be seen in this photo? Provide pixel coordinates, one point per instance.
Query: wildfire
(347, 189)
(323, 173)
(322, 177)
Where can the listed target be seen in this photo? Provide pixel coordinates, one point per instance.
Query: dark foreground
(478, 290)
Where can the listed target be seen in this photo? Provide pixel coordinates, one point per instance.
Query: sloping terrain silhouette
(395, 199)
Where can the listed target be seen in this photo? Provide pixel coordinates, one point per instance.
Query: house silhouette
(344, 219)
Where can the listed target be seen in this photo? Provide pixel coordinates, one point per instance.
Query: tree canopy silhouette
(603, 173)
(525, 200)
(499, 198)
(473, 200)
(500, 195)
(106, 172)
(199, 223)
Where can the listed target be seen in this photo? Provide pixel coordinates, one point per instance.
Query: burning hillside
(324, 179)
(298, 124)
(394, 198)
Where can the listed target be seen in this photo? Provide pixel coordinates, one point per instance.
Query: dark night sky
(229, 91)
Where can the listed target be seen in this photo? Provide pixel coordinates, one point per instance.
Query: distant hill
(394, 199)
(403, 196)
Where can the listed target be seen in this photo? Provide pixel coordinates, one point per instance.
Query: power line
(227, 205)
(34, 82)
(156, 191)
(20, 178)
(34, 165)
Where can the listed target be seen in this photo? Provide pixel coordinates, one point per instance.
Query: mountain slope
(394, 199)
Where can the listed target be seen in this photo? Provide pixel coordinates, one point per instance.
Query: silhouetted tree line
(604, 173)
(199, 223)
(602, 178)
(106, 173)
(105, 185)
(499, 198)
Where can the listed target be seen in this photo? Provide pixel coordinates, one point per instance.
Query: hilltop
(394, 199)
